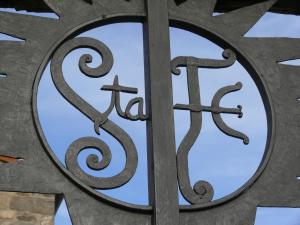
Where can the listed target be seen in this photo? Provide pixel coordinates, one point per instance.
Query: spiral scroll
(73, 98)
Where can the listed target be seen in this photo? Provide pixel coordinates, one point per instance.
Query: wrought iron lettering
(22, 65)
(99, 119)
(202, 191)
(116, 89)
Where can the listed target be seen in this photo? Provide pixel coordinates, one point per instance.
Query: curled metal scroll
(202, 191)
(72, 97)
(217, 114)
(182, 61)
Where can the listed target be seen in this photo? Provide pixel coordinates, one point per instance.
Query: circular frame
(213, 36)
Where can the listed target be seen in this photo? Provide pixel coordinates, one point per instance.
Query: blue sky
(226, 169)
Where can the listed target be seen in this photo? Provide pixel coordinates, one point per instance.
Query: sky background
(222, 160)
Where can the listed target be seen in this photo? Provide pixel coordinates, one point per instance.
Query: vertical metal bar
(163, 186)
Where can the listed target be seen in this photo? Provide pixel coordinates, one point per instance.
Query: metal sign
(275, 182)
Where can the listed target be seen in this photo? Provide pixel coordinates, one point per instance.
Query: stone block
(26, 209)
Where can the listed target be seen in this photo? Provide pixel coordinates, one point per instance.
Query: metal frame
(275, 182)
(282, 6)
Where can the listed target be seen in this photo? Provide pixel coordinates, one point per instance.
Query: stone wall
(26, 209)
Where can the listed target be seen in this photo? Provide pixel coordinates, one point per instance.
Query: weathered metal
(8, 159)
(202, 191)
(275, 182)
(283, 6)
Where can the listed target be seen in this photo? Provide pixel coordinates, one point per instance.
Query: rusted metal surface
(9, 159)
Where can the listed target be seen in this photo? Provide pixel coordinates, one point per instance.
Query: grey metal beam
(161, 139)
